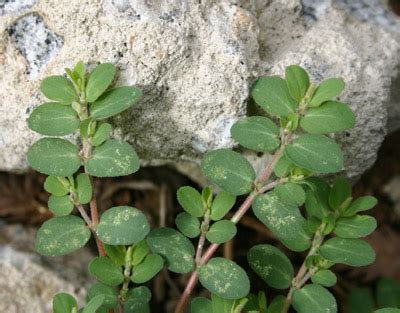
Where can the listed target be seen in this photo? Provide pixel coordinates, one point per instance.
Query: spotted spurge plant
(303, 211)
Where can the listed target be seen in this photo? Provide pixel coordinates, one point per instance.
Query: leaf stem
(204, 229)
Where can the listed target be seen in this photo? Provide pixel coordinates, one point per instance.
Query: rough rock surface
(195, 61)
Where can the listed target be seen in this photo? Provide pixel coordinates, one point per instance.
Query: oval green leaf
(113, 158)
(224, 278)
(327, 90)
(292, 193)
(330, 117)
(99, 80)
(59, 89)
(102, 134)
(106, 271)
(122, 225)
(84, 188)
(257, 133)
(221, 231)
(317, 195)
(114, 101)
(140, 250)
(174, 247)
(354, 252)
(341, 191)
(222, 204)
(62, 235)
(60, 206)
(146, 270)
(324, 278)
(283, 167)
(64, 303)
(58, 186)
(315, 153)
(315, 299)
(53, 119)
(191, 201)
(229, 170)
(297, 80)
(272, 265)
(272, 94)
(201, 305)
(355, 227)
(54, 156)
(361, 204)
(94, 304)
(188, 224)
(109, 293)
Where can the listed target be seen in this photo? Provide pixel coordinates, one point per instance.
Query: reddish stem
(180, 307)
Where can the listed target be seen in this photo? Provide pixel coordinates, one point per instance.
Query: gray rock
(196, 60)
(15, 6)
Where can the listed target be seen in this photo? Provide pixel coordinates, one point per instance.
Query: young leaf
(298, 81)
(283, 166)
(84, 188)
(188, 224)
(317, 198)
(220, 305)
(80, 69)
(85, 127)
(59, 89)
(109, 293)
(140, 250)
(327, 90)
(224, 278)
(58, 186)
(94, 304)
(174, 247)
(222, 204)
(257, 133)
(315, 299)
(62, 235)
(272, 265)
(106, 271)
(324, 278)
(315, 153)
(122, 225)
(54, 156)
(191, 201)
(388, 293)
(272, 94)
(341, 191)
(116, 254)
(64, 303)
(146, 270)
(112, 159)
(291, 193)
(360, 204)
(101, 134)
(201, 305)
(277, 304)
(360, 300)
(221, 231)
(355, 227)
(53, 119)
(60, 206)
(354, 252)
(330, 117)
(114, 101)
(101, 77)
(283, 219)
(229, 170)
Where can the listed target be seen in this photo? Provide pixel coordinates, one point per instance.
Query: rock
(195, 61)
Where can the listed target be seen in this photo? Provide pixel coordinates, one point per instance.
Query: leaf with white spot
(315, 299)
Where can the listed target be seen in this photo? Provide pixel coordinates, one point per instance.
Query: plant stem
(204, 229)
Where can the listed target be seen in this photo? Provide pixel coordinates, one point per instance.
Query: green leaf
(298, 81)
(116, 254)
(174, 247)
(201, 305)
(229, 170)
(85, 127)
(114, 101)
(112, 159)
(327, 90)
(315, 299)
(221, 231)
(84, 188)
(140, 250)
(109, 293)
(102, 134)
(222, 204)
(59, 89)
(54, 156)
(317, 198)
(354, 252)
(257, 133)
(122, 225)
(224, 278)
(277, 304)
(360, 300)
(283, 219)
(62, 235)
(330, 117)
(64, 303)
(283, 166)
(135, 306)
(94, 304)
(101, 77)
(60, 206)
(141, 292)
(80, 69)
(341, 191)
(58, 186)
(388, 293)
(53, 119)
(191, 201)
(106, 271)
(146, 270)
(272, 94)
(291, 193)
(188, 224)
(360, 204)
(324, 278)
(388, 310)
(315, 153)
(355, 227)
(272, 265)
(220, 305)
